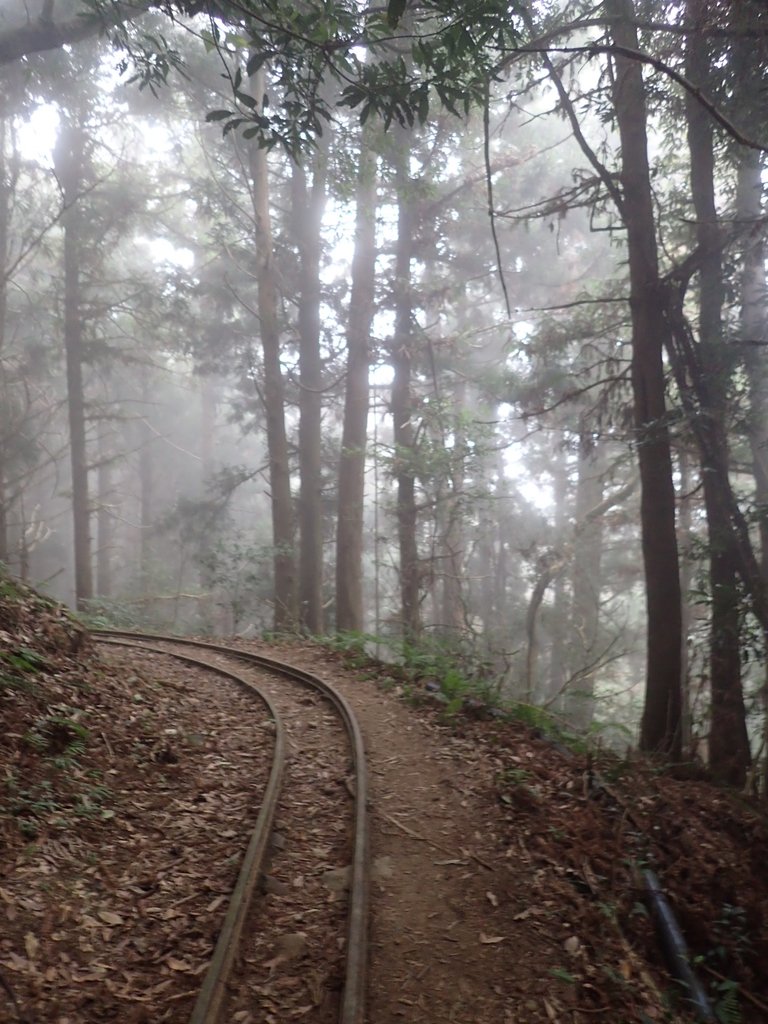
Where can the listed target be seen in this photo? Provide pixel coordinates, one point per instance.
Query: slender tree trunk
(586, 577)
(550, 569)
(402, 398)
(661, 726)
(729, 754)
(70, 161)
(486, 567)
(351, 488)
(754, 332)
(557, 658)
(283, 531)
(103, 523)
(505, 534)
(308, 207)
(754, 336)
(207, 445)
(685, 538)
(23, 543)
(5, 203)
(3, 516)
(453, 540)
(146, 489)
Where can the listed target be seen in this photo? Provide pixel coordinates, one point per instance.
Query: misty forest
(438, 328)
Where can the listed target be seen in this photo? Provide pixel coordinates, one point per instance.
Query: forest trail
(454, 934)
(505, 876)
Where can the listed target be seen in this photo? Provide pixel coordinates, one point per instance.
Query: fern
(727, 1008)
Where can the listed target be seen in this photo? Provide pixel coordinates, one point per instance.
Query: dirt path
(505, 881)
(445, 942)
(455, 936)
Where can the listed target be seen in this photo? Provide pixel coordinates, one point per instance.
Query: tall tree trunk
(401, 359)
(754, 336)
(207, 445)
(70, 164)
(308, 207)
(729, 754)
(586, 577)
(504, 542)
(351, 487)
(283, 531)
(557, 657)
(103, 523)
(4, 552)
(146, 489)
(23, 543)
(5, 189)
(5, 205)
(551, 567)
(661, 722)
(485, 559)
(685, 539)
(453, 541)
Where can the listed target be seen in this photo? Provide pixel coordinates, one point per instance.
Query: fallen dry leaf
(16, 962)
(31, 944)
(288, 947)
(492, 898)
(178, 965)
(108, 917)
(490, 940)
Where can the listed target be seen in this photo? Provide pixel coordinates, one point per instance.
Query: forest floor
(508, 883)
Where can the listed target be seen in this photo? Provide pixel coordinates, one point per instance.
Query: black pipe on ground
(675, 948)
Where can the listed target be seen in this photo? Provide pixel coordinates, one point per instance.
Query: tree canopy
(423, 243)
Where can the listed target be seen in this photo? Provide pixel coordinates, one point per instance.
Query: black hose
(675, 948)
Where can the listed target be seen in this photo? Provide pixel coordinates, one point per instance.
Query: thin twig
(12, 995)
(430, 842)
(742, 991)
(489, 187)
(593, 49)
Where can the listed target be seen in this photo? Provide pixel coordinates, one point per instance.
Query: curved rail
(352, 1009)
(209, 1001)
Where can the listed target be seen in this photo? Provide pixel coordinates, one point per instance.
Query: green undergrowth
(59, 790)
(432, 672)
(46, 781)
(103, 613)
(18, 668)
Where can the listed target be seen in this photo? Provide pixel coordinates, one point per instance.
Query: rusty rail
(209, 1003)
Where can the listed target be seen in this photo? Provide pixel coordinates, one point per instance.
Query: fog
(191, 325)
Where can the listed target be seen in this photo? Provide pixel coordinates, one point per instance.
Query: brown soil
(506, 870)
(516, 888)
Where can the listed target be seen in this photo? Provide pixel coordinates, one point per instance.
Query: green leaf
(217, 115)
(254, 62)
(395, 11)
(246, 100)
(562, 975)
(208, 41)
(422, 99)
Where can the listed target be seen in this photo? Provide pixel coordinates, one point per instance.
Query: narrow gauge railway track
(225, 989)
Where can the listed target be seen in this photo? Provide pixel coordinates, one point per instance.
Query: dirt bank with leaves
(507, 868)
